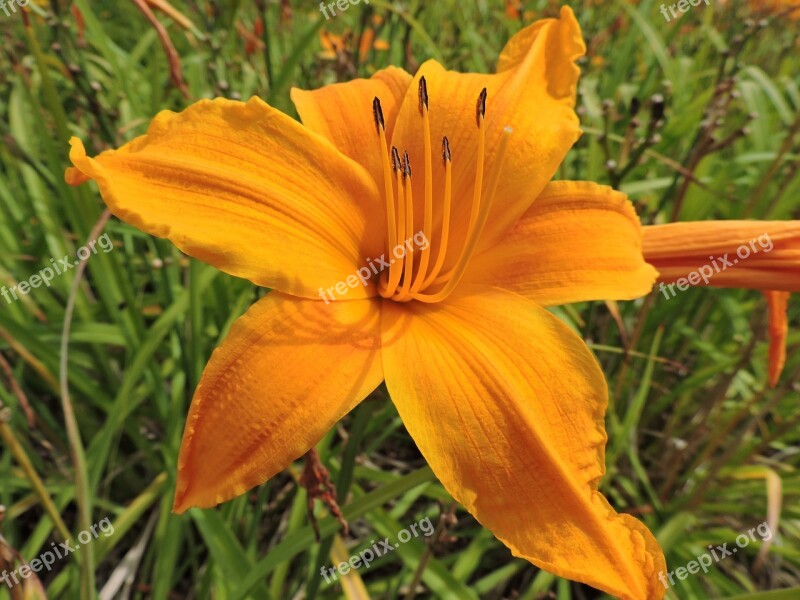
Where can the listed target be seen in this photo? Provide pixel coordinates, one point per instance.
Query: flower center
(414, 275)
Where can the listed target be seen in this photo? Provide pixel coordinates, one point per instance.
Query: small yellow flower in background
(758, 255)
(505, 402)
(597, 61)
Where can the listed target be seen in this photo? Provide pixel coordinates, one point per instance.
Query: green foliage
(699, 447)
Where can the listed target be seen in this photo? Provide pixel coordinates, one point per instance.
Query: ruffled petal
(533, 92)
(246, 189)
(507, 405)
(578, 241)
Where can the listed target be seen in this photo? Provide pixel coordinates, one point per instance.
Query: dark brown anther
(397, 164)
(377, 113)
(406, 166)
(446, 156)
(480, 111)
(423, 95)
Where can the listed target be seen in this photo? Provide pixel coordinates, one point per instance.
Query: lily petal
(287, 372)
(533, 92)
(342, 113)
(578, 241)
(778, 330)
(769, 259)
(507, 405)
(247, 189)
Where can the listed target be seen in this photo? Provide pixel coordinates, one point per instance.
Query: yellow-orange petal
(507, 405)
(578, 241)
(247, 189)
(778, 330)
(286, 373)
(760, 255)
(342, 113)
(533, 92)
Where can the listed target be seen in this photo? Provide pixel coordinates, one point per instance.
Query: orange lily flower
(504, 400)
(759, 255)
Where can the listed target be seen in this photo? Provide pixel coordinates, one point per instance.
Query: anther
(480, 111)
(446, 156)
(377, 113)
(406, 166)
(397, 164)
(423, 94)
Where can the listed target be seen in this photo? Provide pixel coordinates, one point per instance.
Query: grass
(699, 447)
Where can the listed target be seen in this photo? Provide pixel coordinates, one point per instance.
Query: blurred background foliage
(695, 119)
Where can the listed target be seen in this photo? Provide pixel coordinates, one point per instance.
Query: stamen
(447, 160)
(480, 109)
(377, 114)
(388, 287)
(397, 164)
(472, 241)
(480, 117)
(427, 224)
(423, 95)
(380, 125)
(404, 280)
(408, 252)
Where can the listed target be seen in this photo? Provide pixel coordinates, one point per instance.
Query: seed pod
(656, 107)
(635, 106)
